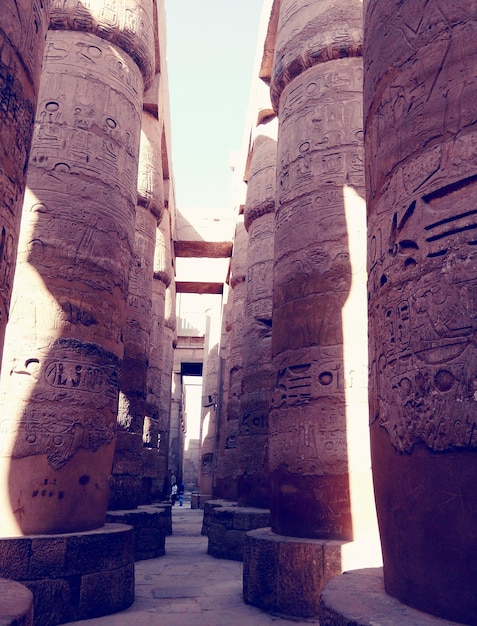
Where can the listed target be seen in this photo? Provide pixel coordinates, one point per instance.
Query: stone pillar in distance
(160, 418)
(64, 347)
(23, 28)
(225, 479)
(253, 475)
(421, 165)
(208, 428)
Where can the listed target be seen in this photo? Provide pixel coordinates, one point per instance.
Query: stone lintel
(196, 287)
(73, 576)
(357, 598)
(16, 604)
(285, 575)
(203, 249)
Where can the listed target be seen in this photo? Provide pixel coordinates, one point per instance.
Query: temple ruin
(327, 363)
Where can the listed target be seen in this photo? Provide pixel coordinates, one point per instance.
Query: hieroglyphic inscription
(421, 294)
(126, 23)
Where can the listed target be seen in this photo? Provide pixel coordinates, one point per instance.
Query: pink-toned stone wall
(63, 348)
(23, 26)
(225, 480)
(253, 476)
(421, 163)
(320, 155)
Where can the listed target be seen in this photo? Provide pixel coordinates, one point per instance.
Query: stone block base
(226, 524)
(285, 575)
(73, 576)
(151, 525)
(16, 604)
(357, 598)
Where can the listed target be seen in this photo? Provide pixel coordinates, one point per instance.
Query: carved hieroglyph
(259, 213)
(23, 25)
(320, 178)
(312, 32)
(225, 485)
(421, 160)
(64, 343)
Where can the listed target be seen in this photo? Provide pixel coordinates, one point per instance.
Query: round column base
(285, 575)
(227, 526)
(357, 598)
(73, 576)
(16, 604)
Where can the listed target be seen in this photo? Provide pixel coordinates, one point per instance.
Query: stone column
(420, 119)
(321, 495)
(211, 370)
(170, 418)
(225, 483)
(159, 418)
(128, 484)
(64, 347)
(23, 27)
(253, 476)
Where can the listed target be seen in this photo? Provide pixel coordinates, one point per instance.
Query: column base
(151, 524)
(16, 604)
(285, 575)
(73, 576)
(226, 525)
(357, 598)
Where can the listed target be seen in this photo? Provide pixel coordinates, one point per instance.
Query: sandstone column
(64, 347)
(225, 483)
(319, 153)
(127, 479)
(170, 418)
(23, 26)
(318, 422)
(211, 370)
(159, 416)
(253, 476)
(420, 120)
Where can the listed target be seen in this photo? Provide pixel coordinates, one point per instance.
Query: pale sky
(211, 46)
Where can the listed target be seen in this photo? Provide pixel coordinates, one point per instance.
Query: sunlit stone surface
(64, 347)
(23, 26)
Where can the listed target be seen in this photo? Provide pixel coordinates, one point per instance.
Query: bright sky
(211, 47)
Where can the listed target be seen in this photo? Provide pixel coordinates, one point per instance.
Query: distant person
(173, 494)
(181, 493)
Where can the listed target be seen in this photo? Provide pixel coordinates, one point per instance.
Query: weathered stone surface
(64, 341)
(310, 32)
(211, 370)
(102, 595)
(357, 598)
(226, 525)
(420, 114)
(23, 25)
(225, 485)
(16, 604)
(149, 530)
(128, 24)
(259, 214)
(319, 154)
(283, 574)
(62, 570)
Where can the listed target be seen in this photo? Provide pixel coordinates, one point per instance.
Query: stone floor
(186, 586)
